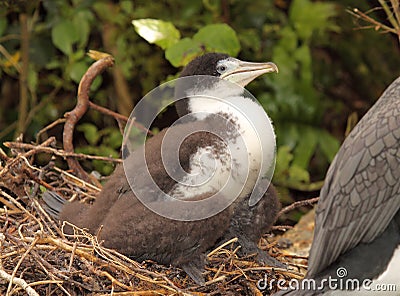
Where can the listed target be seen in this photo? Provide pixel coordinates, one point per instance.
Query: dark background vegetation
(329, 69)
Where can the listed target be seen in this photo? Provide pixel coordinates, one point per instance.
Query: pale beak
(245, 72)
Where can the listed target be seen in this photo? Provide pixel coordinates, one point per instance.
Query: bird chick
(130, 227)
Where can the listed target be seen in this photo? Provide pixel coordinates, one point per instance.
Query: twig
(80, 109)
(82, 183)
(359, 14)
(9, 58)
(298, 204)
(58, 152)
(71, 260)
(120, 117)
(389, 14)
(22, 208)
(234, 240)
(18, 281)
(109, 112)
(50, 126)
(396, 10)
(19, 264)
(111, 278)
(213, 281)
(281, 227)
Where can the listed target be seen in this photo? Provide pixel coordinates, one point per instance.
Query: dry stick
(66, 247)
(18, 281)
(77, 180)
(233, 240)
(24, 158)
(10, 59)
(106, 255)
(109, 112)
(43, 264)
(359, 14)
(50, 126)
(58, 152)
(298, 204)
(19, 264)
(80, 109)
(391, 18)
(92, 258)
(111, 278)
(48, 142)
(40, 210)
(396, 9)
(71, 260)
(281, 227)
(119, 117)
(22, 208)
(9, 204)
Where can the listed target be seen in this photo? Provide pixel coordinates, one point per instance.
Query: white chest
(234, 169)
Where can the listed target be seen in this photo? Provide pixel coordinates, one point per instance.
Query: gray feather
(53, 203)
(361, 193)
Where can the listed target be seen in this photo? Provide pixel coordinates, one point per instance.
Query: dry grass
(37, 258)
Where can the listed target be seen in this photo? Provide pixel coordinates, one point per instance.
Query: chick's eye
(221, 68)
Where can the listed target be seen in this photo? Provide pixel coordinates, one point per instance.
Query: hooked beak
(245, 72)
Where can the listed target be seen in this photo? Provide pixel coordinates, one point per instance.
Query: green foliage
(295, 105)
(218, 37)
(164, 34)
(308, 18)
(286, 171)
(64, 35)
(105, 142)
(210, 38)
(324, 73)
(183, 52)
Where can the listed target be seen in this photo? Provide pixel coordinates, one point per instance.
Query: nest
(38, 258)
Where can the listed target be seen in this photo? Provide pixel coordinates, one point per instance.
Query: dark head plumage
(204, 65)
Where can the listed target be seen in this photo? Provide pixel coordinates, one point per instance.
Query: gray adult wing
(361, 193)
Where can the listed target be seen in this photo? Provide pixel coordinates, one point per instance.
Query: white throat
(251, 122)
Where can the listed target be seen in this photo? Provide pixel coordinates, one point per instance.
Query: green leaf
(298, 174)
(183, 52)
(329, 145)
(307, 17)
(305, 148)
(77, 70)
(64, 36)
(161, 33)
(127, 6)
(81, 22)
(90, 131)
(283, 159)
(112, 137)
(220, 38)
(32, 79)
